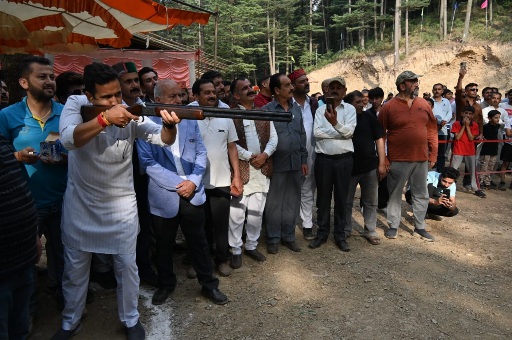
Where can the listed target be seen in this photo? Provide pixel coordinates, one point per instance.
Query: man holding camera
(441, 192)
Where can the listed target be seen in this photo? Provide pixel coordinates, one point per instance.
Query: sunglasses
(473, 90)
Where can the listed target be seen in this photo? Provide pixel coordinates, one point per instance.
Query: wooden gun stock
(91, 112)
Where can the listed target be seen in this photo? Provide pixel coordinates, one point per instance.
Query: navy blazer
(158, 163)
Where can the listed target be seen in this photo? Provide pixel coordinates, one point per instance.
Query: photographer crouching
(441, 190)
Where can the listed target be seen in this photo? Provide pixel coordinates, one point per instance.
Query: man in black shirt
(369, 167)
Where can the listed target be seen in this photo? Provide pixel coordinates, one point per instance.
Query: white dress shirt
(335, 140)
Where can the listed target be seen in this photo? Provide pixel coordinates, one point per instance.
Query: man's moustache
(250, 93)
(136, 89)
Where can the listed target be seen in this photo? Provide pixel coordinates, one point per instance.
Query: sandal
(373, 240)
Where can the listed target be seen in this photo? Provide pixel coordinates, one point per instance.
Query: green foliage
(243, 34)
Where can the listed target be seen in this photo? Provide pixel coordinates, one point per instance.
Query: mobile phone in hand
(463, 66)
(329, 101)
(446, 193)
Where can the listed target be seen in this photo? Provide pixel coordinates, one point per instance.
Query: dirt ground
(458, 287)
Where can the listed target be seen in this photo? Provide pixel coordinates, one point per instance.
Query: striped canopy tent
(52, 26)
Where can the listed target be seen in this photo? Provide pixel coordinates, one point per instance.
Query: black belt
(343, 155)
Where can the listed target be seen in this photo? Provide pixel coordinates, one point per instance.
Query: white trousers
(254, 205)
(75, 282)
(307, 197)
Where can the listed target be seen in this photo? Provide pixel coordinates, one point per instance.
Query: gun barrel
(232, 113)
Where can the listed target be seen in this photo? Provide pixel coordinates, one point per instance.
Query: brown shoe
(224, 269)
(191, 273)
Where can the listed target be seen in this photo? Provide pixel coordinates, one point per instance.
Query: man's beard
(40, 95)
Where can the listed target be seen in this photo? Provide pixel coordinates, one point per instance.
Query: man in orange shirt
(411, 130)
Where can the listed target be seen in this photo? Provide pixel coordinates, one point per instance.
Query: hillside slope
(488, 65)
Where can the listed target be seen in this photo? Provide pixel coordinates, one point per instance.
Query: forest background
(260, 37)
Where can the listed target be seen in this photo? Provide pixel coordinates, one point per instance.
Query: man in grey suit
(176, 197)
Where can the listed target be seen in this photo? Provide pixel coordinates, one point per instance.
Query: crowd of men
(114, 179)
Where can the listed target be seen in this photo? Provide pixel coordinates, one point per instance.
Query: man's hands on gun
(169, 118)
(119, 116)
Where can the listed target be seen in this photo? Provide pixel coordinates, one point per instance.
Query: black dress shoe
(136, 332)
(292, 246)
(317, 242)
(64, 335)
(272, 248)
(255, 255)
(161, 295)
(236, 261)
(343, 245)
(215, 296)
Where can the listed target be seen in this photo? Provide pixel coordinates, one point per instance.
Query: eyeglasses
(473, 90)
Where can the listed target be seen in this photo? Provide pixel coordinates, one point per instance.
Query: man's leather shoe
(64, 334)
(236, 261)
(255, 254)
(317, 242)
(215, 296)
(292, 246)
(272, 248)
(136, 332)
(161, 295)
(343, 245)
(224, 269)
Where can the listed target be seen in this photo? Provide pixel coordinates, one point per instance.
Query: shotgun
(190, 112)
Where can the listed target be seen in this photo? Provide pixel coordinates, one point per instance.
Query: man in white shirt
(100, 211)
(308, 107)
(333, 130)
(257, 141)
(219, 137)
(443, 113)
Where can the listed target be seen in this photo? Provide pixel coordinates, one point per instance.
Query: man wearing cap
(129, 80)
(308, 107)
(333, 129)
(289, 165)
(412, 149)
(148, 78)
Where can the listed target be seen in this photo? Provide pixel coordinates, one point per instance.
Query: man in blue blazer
(176, 198)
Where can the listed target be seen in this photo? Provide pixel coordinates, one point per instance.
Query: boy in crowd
(465, 132)
(506, 154)
(489, 151)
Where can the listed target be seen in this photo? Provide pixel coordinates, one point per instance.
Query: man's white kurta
(100, 210)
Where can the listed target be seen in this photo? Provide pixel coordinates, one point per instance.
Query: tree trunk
(349, 34)
(398, 28)
(465, 36)
(310, 31)
(269, 46)
(375, 21)
(383, 23)
(274, 36)
(490, 12)
(288, 50)
(326, 26)
(406, 27)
